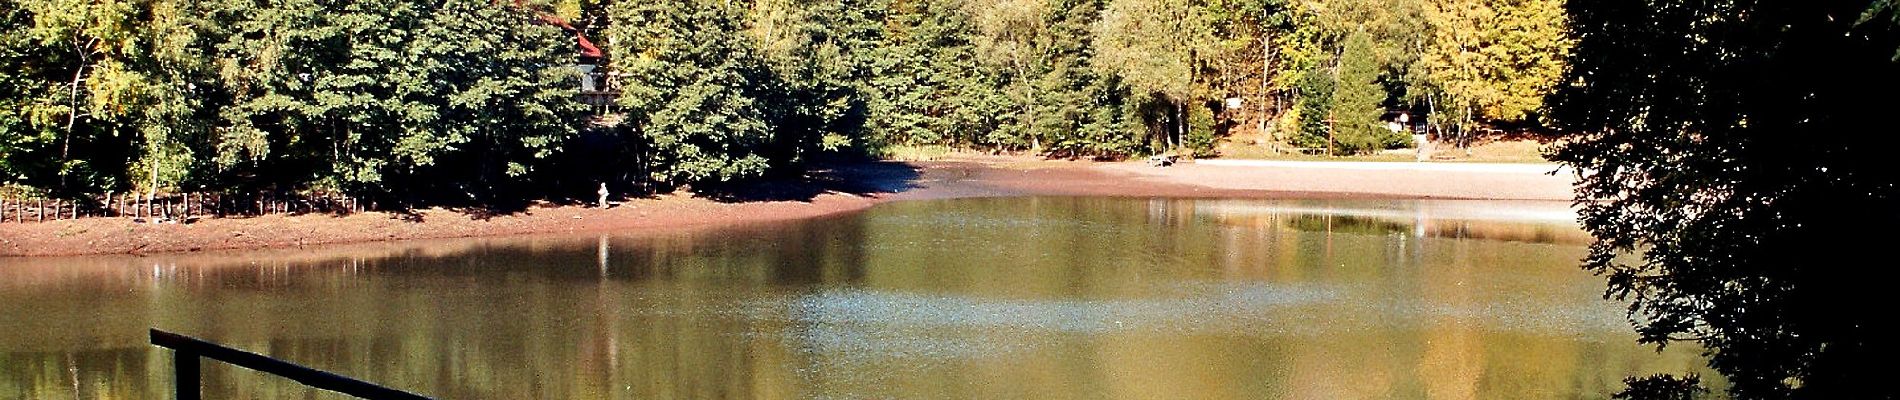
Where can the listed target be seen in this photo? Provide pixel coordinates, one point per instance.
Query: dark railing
(187, 350)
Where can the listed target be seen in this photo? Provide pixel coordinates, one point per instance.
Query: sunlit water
(971, 299)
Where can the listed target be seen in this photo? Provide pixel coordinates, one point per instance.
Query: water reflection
(975, 298)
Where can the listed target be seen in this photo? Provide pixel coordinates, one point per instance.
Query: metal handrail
(187, 350)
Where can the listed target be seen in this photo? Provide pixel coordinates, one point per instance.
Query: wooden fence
(174, 207)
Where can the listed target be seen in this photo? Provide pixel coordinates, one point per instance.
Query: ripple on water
(892, 324)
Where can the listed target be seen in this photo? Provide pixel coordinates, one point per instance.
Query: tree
(20, 87)
(1358, 98)
(1009, 40)
(1740, 152)
(691, 89)
(1151, 44)
(86, 90)
(821, 54)
(1314, 110)
(1490, 60)
(1315, 45)
(906, 90)
(450, 101)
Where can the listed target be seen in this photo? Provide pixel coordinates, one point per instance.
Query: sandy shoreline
(842, 190)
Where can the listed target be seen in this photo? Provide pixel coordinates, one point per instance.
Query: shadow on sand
(857, 179)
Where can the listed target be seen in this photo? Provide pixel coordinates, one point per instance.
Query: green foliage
(822, 55)
(1315, 108)
(692, 89)
(99, 88)
(454, 99)
(1736, 167)
(926, 87)
(1357, 98)
(373, 95)
(17, 87)
(1201, 134)
(467, 99)
(1490, 60)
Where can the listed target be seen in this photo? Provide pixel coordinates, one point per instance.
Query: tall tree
(1490, 60)
(1740, 151)
(448, 100)
(691, 87)
(1357, 98)
(1395, 30)
(90, 91)
(1152, 45)
(822, 54)
(1010, 42)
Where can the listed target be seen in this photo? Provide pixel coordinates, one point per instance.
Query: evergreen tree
(691, 89)
(1357, 98)
(822, 55)
(1314, 111)
(450, 100)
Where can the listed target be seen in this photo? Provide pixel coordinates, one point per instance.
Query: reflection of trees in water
(490, 319)
(56, 374)
(1746, 151)
(706, 314)
(1421, 224)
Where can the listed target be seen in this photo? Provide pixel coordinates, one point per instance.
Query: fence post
(39, 209)
(185, 366)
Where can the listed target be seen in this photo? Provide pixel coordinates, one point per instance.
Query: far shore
(843, 189)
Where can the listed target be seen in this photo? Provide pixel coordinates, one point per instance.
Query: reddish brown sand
(842, 190)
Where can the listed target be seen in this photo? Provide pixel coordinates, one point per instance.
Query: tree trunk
(1266, 85)
(1181, 123)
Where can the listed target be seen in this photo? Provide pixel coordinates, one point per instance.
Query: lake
(1038, 297)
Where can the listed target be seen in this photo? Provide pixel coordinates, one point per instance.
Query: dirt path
(841, 190)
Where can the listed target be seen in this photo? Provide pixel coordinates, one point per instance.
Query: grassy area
(1500, 151)
(905, 152)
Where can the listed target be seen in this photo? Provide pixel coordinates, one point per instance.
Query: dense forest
(1731, 155)
(469, 100)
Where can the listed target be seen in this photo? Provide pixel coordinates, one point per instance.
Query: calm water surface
(1043, 298)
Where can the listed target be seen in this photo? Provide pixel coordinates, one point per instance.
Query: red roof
(587, 46)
